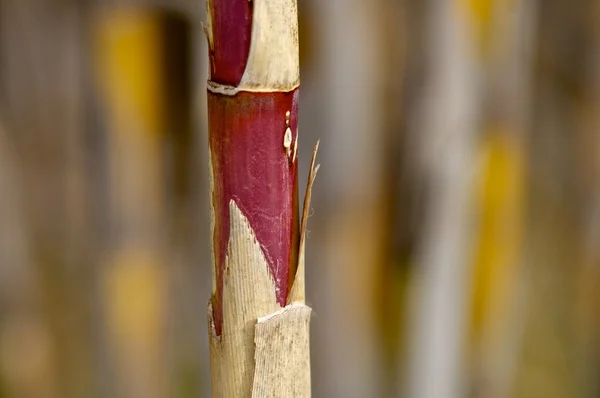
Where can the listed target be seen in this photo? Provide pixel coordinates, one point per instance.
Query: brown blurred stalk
(549, 364)
(588, 149)
(40, 103)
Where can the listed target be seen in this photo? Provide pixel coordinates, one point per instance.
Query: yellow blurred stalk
(130, 63)
(481, 19)
(503, 30)
(495, 297)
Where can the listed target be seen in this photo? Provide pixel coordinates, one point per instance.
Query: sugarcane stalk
(258, 322)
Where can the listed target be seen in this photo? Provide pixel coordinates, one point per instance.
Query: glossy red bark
(251, 166)
(231, 31)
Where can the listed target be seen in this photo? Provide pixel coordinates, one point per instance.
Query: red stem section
(252, 167)
(231, 30)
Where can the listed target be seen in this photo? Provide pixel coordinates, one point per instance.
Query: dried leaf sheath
(259, 335)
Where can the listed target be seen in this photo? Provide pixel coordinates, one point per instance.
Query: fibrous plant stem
(258, 323)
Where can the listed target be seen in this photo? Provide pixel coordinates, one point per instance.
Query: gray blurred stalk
(442, 133)
(350, 230)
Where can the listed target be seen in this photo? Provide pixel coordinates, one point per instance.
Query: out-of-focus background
(454, 247)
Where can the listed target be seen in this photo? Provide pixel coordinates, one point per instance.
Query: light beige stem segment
(248, 294)
(273, 63)
(263, 350)
(282, 354)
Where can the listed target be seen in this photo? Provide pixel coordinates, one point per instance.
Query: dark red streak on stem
(231, 31)
(251, 167)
